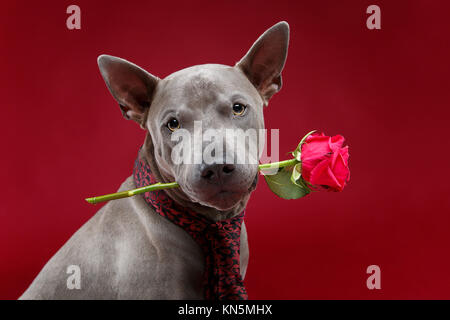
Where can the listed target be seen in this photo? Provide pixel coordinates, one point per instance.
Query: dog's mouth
(223, 197)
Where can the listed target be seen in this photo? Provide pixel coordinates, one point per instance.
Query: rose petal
(322, 175)
(317, 145)
(313, 152)
(341, 171)
(314, 135)
(344, 154)
(333, 158)
(336, 142)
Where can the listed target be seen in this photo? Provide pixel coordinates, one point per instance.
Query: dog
(129, 251)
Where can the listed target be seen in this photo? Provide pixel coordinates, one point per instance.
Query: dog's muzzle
(254, 183)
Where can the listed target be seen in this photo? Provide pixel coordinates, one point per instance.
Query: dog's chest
(156, 258)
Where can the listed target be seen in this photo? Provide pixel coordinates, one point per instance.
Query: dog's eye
(173, 124)
(239, 109)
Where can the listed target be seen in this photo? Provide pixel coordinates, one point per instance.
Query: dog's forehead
(201, 86)
(205, 78)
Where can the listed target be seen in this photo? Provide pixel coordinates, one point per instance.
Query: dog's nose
(217, 172)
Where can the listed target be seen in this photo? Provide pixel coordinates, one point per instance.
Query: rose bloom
(325, 161)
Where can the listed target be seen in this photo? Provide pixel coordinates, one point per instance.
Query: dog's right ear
(130, 85)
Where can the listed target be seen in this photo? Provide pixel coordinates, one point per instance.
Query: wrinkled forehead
(206, 84)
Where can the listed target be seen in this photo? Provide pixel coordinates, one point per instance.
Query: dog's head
(180, 110)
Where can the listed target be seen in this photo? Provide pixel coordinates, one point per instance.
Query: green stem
(281, 164)
(133, 192)
(160, 186)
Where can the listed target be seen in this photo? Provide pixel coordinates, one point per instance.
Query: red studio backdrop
(387, 91)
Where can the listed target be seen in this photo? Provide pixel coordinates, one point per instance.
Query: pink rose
(325, 161)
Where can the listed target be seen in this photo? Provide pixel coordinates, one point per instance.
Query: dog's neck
(147, 152)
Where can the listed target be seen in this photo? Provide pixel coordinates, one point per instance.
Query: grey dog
(126, 250)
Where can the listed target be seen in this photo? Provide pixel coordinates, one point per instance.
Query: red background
(386, 91)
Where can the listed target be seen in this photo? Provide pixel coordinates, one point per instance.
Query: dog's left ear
(265, 60)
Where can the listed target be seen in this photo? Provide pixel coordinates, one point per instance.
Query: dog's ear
(130, 85)
(265, 60)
